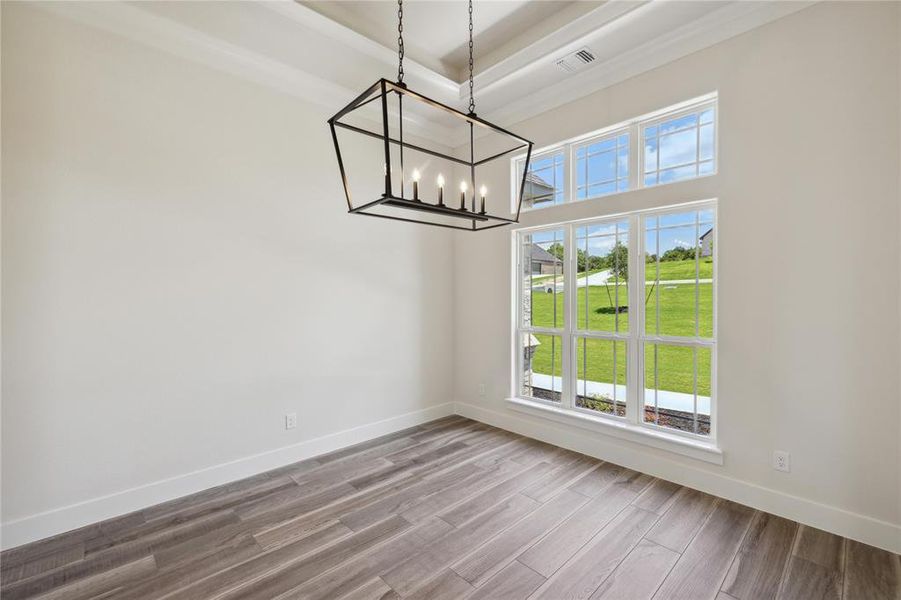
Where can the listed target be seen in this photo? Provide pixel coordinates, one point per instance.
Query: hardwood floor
(451, 509)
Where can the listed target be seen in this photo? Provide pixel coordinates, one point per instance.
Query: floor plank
(375, 589)
(758, 568)
(815, 567)
(549, 554)
(485, 562)
(514, 582)
(581, 576)
(639, 575)
(452, 508)
(446, 586)
(683, 520)
(404, 577)
(871, 573)
(700, 570)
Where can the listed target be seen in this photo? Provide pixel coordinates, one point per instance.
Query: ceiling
(436, 32)
(328, 52)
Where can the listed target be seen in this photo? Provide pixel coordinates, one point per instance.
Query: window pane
(542, 273)
(677, 386)
(601, 375)
(679, 274)
(542, 362)
(602, 291)
(680, 148)
(602, 167)
(544, 184)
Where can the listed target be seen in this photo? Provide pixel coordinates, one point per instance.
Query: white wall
(179, 271)
(808, 244)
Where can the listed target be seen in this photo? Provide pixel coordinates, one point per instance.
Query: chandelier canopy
(405, 160)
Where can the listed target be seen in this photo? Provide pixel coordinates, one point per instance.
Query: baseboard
(868, 530)
(56, 521)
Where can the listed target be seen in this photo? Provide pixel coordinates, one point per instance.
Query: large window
(669, 145)
(616, 318)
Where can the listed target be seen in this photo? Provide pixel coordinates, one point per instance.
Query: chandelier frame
(470, 218)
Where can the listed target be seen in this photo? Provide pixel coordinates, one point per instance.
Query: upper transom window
(669, 145)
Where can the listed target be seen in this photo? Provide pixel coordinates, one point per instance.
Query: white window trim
(631, 427)
(636, 151)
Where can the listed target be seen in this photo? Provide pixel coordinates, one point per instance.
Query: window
(670, 145)
(679, 147)
(617, 320)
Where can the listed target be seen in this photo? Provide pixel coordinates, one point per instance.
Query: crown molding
(133, 23)
(422, 76)
(729, 21)
(508, 92)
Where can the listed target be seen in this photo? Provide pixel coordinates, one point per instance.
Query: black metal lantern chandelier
(384, 103)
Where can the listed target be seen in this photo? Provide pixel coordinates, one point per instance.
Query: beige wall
(179, 271)
(808, 245)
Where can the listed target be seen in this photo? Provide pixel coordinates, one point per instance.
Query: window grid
(635, 342)
(700, 120)
(617, 145)
(630, 140)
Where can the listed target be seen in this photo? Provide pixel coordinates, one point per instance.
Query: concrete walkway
(602, 277)
(665, 399)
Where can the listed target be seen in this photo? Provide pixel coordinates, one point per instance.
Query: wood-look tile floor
(451, 509)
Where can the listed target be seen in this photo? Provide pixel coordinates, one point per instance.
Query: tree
(556, 249)
(617, 260)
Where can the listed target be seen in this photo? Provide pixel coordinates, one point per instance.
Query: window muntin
(679, 147)
(602, 166)
(670, 145)
(658, 372)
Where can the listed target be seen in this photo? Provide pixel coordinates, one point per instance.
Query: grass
(679, 269)
(668, 271)
(677, 317)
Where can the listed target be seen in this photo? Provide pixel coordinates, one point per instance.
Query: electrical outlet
(782, 461)
(482, 390)
(290, 420)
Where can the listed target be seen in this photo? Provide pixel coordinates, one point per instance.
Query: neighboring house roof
(541, 255)
(536, 180)
(708, 232)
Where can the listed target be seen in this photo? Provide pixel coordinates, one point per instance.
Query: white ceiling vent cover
(574, 61)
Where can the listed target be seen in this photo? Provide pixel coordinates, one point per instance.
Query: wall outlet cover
(782, 461)
(290, 420)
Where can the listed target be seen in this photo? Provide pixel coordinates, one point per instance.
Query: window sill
(699, 450)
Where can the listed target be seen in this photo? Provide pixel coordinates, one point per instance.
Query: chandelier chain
(472, 102)
(400, 41)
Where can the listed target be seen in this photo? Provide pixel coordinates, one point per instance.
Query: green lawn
(679, 269)
(677, 317)
(670, 270)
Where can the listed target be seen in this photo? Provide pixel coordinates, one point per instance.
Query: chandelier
(397, 184)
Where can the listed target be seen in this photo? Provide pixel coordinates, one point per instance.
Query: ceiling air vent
(576, 60)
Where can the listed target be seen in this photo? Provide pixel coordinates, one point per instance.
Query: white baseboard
(858, 527)
(59, 520)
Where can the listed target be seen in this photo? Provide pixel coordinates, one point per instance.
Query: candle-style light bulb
(462, 195)
(416, 185)
(483, 191)
(440, 189)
